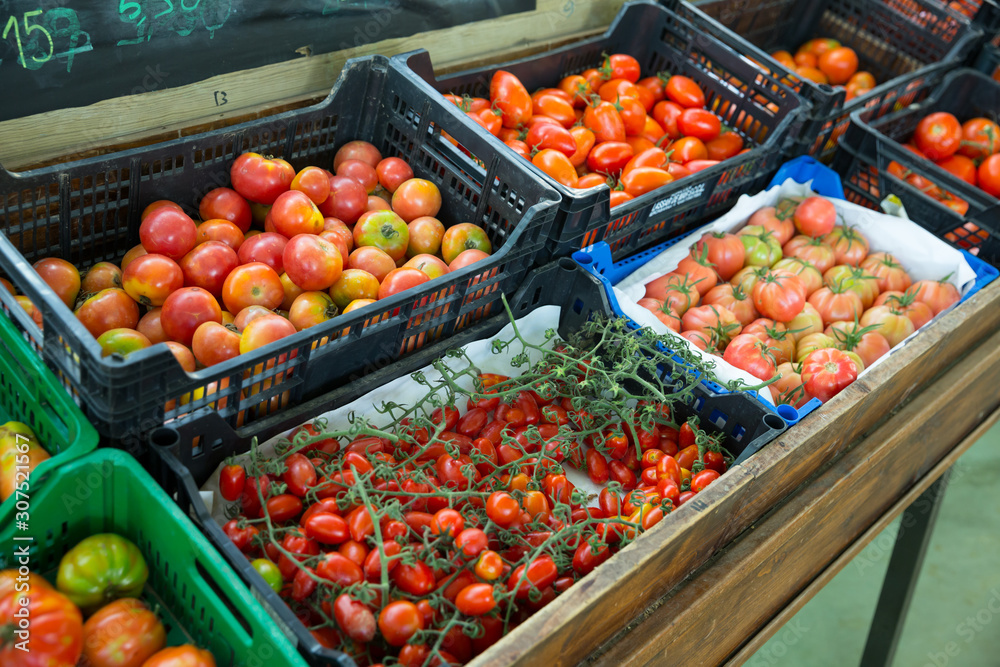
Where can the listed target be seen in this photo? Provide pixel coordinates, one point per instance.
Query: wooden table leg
(901, 578)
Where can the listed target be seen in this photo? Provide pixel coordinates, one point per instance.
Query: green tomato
(762, 248)
(270, 572)
(100, 569)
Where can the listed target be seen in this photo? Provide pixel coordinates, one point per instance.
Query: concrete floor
(954, 618)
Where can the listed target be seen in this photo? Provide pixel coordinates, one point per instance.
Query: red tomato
(555, 137)
(889, 273)
(226, 204)
(372, 260)
(815, 217)
(699, 123)
(61, 276)
(357, 150)
(213, 343)
(355, 619)
(168, 232)
(838, 64)
(55, 638)
(393, 172)
(260, 179)
(220, 230)
(641, 180)
(712, 320)
(938, 135)
(253, 284)
(556, 165)
(314, 182)
(362, 172)
(725, 252)
(779, 297)
(311, 262)
(185, 310)
(232, 479)
(399, 280)
(988, 175)
(825, 373)
(688, 150)
(604, 120)
(348, 200)
(685, 92)
(416, 198)
(294, 213)
(400, 620)
(149, 326)
(703, 479)
(961, 166)
(938, 294)
(207, 266)
(476, 600)
(724, 146)
(150, 279)
(751, 354)
(267, 248)
(980, 138)
(609, 157)
(106, 310)
(511, 98)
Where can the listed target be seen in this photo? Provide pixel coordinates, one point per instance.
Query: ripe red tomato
(253, 284)
(348, 200)
(207, 266)
(416, 198)
(400, 620)
(61, 276)
(314, 182)
(214, 343)
(476, 600)
(980, 138)
(703, 479)
(185, 310)
(725, 251)
(509, 95)
(687, 150)
(699, 123)
(168, 232)
(360, 171)
(264, 330)
(550, 135)
(56, 627)
(556, 165)
(961, 166)
(124, 633)
(938, 135)
(372, 260)
(311, 262)
(393, 172)
(539, 574)
(724, 146)
(988, 175)
(108, 309)
(355, 619)
(838, 64)
(232, 480)
(815, 217)
(621, 66)
(150, 279)
(604, 120)
(357, 150)
(751, 354)
(220, 230)
(260, 179)
(267, 248)
(779, 297)
(685, 92)
(827, 372)
(294, 213)
(181, 656)
(226, 204)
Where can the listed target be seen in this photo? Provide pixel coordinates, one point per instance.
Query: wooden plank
(817, 584)
(577, 622)
(768, 566)
(165, 111)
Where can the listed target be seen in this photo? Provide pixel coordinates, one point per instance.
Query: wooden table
(726, 572)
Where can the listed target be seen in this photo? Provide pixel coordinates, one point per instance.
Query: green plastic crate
(197, 595)
(31, 394)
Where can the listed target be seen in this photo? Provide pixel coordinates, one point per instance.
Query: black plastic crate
(88, 211)
(868, 148)
(764, 111)
(182, 467)
(903, 43)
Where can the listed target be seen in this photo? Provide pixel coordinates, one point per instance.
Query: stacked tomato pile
(429, 538)
(326, 243)
(101, 578)
(969, 150)
(606, 125)
(811, 310)
(825, 60)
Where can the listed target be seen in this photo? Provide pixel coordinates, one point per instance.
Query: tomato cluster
(101, 578)
(970, 151)
(606, 125)
(325, 243)
(825, 60)
(430, 538)
(796, 297)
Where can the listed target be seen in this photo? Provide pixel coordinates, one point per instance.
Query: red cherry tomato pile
(794, 295)
(430, 538)
(826, 60)
(969, 150)
(211, 290)
(607, 125)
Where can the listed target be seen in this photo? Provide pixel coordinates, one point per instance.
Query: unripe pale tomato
(122, 342)
(461, 237)
(385, 230)
(354, 284)
(433, 266)
(312, 308)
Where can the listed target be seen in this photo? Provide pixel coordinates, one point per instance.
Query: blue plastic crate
(597, 259)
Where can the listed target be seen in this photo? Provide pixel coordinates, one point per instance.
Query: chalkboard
(56, 54)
